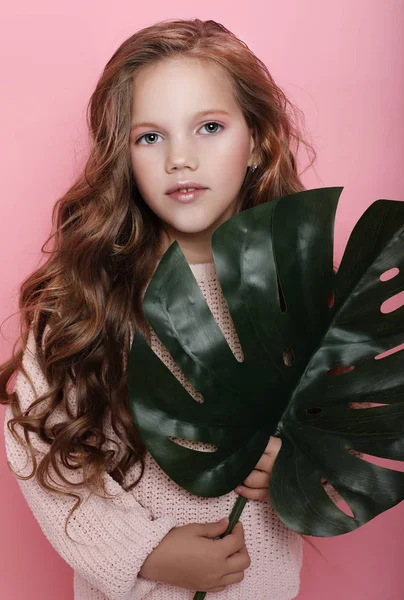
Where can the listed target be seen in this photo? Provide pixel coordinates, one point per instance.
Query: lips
(185, 186)
(187, 197)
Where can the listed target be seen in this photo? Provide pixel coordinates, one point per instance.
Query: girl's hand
(193, 558)
(257, 483)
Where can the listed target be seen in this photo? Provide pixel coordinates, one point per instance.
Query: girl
(182, 103)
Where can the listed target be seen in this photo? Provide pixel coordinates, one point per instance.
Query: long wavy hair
(106, 245)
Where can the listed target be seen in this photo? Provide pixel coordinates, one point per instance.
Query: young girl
(183, 103)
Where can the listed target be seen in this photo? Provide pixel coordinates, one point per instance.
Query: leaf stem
(234, 517)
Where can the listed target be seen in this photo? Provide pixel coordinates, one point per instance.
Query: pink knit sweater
(113, 537)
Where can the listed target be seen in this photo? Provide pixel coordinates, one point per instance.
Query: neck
(196, 247)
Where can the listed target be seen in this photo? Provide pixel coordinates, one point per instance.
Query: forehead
(183, 82)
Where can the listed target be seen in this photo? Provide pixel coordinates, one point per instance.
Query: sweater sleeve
(111, 537)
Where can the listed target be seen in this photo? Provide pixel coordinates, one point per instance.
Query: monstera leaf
(274, 263)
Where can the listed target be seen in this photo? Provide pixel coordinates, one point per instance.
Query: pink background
(341, 62)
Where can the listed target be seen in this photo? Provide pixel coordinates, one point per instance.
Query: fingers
(234, 541)
(265, 463)
(235, 566)
(273, 446)
(256, 486)
(238, 558)
(228, 580)
(253, 493)
(238, 562)
(233, 578)
(257, 479)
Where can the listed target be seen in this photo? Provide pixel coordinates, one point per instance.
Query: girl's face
(171, 141)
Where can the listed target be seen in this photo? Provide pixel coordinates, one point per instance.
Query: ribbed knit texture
(117, 535)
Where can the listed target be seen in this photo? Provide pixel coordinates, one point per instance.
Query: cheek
(232, 172)
(144, 172)
(139, 163)
(231, 162)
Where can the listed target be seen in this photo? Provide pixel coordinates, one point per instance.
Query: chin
(193, 228)
(192, 225)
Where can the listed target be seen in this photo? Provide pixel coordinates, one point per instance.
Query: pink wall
(341, 62)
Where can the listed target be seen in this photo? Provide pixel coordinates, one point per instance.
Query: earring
(254, 167)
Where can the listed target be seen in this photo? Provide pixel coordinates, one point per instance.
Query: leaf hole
(390, 351)
(359, 405)
(288, 356)
(282, 302)
(341, 370)
(387, 275)
(335, 496)
(314, 411)
(192, 445)
(390, 304)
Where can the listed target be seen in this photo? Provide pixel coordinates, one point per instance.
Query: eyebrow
(198, 114)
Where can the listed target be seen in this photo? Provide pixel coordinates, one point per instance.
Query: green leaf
(274, 264)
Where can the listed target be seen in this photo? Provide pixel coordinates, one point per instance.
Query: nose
(181, 154)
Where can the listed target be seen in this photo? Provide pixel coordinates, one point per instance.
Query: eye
(151, 134)
(145, 136)
(212, 123)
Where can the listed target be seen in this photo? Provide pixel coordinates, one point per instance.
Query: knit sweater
(113, 537)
